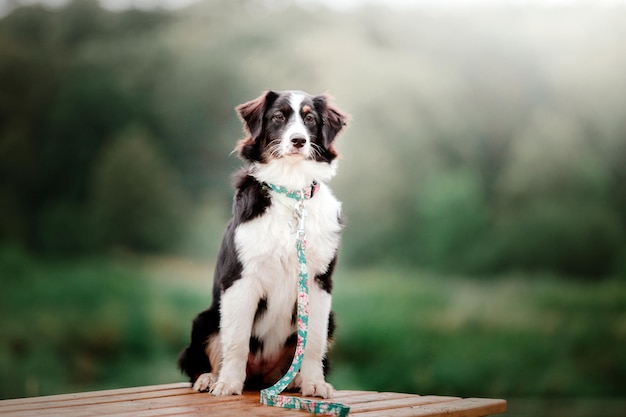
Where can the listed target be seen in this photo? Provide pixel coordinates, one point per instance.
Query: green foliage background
(497, 134)
(486, 142)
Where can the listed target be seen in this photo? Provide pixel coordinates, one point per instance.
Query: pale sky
(6, 5)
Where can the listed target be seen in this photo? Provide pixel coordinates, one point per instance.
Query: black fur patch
(256, 345)
(228, 268)
(325, 280)
(292, 340)
(294, 314)
(251, 198)
(261, 309)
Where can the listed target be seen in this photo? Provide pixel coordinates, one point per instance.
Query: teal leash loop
(272, 396)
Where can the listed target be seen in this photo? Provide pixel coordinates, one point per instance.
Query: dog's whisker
(275, 150)
(317, 149)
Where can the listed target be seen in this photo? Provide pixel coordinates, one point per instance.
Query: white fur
(294, 172)
(296, 126)
(266, 249)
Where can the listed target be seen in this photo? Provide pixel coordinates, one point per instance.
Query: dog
(247, 338)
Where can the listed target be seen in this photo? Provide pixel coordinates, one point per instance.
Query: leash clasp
(301, 213)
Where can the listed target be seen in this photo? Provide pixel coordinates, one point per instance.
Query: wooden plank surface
(180, 400)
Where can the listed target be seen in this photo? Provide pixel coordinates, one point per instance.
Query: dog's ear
(252, 112)
(333, 120)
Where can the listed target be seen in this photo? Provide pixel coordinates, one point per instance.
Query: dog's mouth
(295, 152)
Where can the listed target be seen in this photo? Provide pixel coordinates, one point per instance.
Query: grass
(550, 346)
(86, 324)
(545, 343)
(517, 336)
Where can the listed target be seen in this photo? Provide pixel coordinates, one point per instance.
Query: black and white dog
(247, 337)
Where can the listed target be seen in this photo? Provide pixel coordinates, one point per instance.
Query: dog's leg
(311, 377)
(238, 306)
(206, 381)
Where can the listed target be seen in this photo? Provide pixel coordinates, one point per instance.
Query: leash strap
(272, 396)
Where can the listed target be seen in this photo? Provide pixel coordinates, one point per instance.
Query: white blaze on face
(296, 139)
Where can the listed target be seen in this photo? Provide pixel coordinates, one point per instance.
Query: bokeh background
(483, 178)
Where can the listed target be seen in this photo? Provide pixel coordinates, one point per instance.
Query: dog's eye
(309, 119)
(278, 117)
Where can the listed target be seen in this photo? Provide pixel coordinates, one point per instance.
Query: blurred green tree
(138, 200)
(573, 237)
(472, 150)
(453, 221)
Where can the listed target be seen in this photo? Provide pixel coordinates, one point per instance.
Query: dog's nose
(298, 140)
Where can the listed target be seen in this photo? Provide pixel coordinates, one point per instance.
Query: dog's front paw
(221, 388)
(317, 388)
(204, 382)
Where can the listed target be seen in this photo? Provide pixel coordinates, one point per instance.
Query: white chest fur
(266, 247)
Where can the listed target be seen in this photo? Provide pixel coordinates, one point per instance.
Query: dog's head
(290, 124)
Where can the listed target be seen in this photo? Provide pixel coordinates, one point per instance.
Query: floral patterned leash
(271, 396)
